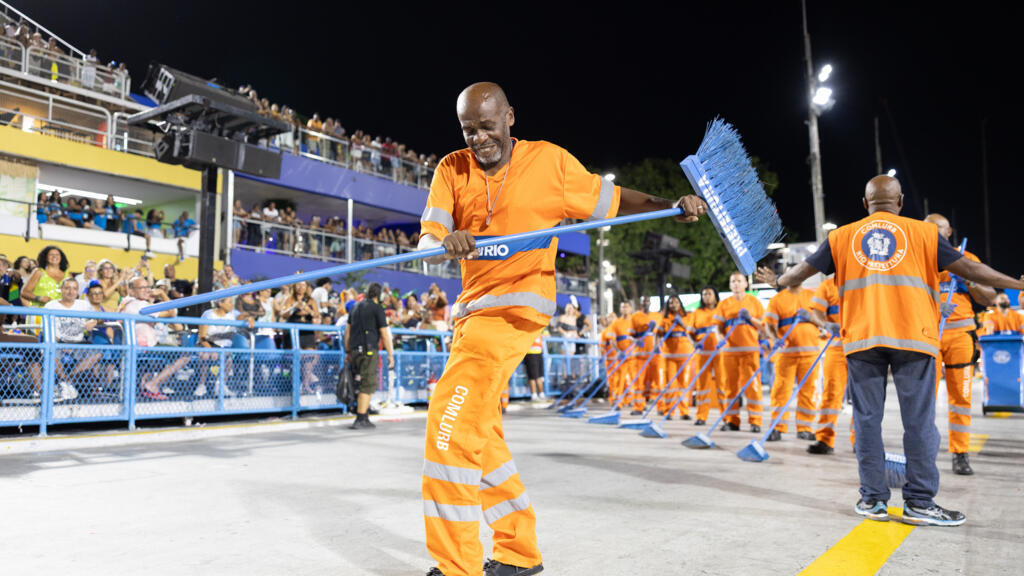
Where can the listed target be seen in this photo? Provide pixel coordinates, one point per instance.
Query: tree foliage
(710, 264)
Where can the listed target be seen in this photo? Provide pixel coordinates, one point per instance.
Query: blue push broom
(896, 464)
(703, 440)
(755, 452)
(645, 419)
(612, 416)
(654, 430)
(577, 386)
(577, 409)
(721, 173)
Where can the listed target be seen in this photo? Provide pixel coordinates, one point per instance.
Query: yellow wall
(13, 246)
(55, 150)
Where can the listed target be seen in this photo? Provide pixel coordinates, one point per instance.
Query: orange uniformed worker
(676, 351)
(650, 382)
(607, 341)
(497, 186)
(958, 351)
(709, 387)
(623, 330)
(1001, 320)
(887, 276)
(794, 358)
(741, 353)
(825, 308)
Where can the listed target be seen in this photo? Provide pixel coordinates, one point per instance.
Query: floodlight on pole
(822, 97)
(825, 72)
(609, 177)
(828, 226)
(892, 173)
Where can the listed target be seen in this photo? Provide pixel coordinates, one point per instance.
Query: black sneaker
(933, 516)
(685, 417)
(435, 571)
(669, 417)
(699, 422)
(961, 465)
(362, 422)
(635, 413)
(820, 447)
(774, 436)
(495, 568)
(756, 429)
(727, 427)
(805, 435)
(873, 509)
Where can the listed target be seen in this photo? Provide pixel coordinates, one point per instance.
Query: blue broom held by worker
(640, 372)
(597, 384)
(644, 419)
(721, 173)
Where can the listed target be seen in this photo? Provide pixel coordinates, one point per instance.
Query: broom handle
(667, 388)
(399, 258)
(796, 391)
(952, 288)
(597, 385)
(706, 365)
(778, 344)
(571, 389)
(642, 368)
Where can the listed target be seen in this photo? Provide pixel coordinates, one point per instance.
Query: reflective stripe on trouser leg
(805, 409)
(626, 397)
(739, 366)
(957, 349)
(831, 395)
(464, 438)
(707, 392)
(782, 388)
(672, 366)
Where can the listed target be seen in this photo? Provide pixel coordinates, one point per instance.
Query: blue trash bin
(1003, 370)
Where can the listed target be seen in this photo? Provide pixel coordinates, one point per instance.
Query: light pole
(821, 100)
(601, 243)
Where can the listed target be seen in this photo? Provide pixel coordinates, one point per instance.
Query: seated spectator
(43, 285)
(153, 370)
(184, 225)
(103, 334)
(154, 224)
(87, 276)
(71, 331)
(97, 214)
(179, 288)
(321, 293)
(55, 211)
(213, 336)
(112, 281)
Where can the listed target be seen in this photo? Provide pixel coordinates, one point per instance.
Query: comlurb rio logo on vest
(879, 245)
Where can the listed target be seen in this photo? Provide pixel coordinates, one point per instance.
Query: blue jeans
(914, 375)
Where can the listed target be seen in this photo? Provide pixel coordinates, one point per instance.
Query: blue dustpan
(700, 441)
(753, 452)
(635, 424)
(895, 470)
(611, 419)
(577, 413)
(653, 430)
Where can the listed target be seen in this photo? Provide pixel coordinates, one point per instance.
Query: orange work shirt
(781, 313)
(826, 300)
(962, 318)
(744, 338)
(644, 324)
(703, 322)
(996, 322)
(540, 186)
(623, 330)
(676, 340)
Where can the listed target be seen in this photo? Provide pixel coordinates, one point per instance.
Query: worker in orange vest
(676, 351)
(742, 351)
(887, 274)
(1001, 320)
(651, 381)
(710, 386)
(623, 330)
(825, 309)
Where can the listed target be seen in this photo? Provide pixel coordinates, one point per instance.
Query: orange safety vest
(962, 318)
(744, 338)
(644, 325)
(703, 323)
(540, 186)
(676, 340)
(826, 299)
(887, 278)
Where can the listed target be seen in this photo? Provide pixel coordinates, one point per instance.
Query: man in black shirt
(367, 326)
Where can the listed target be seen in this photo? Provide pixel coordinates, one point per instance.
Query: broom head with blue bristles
(722, 174)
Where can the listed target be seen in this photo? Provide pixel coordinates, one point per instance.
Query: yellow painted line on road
(864, 550)
(977, 442)
(999, 414)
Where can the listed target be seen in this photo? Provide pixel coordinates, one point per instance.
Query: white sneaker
(535, 397)
(200, 390)
(67, 391)
(543, 396)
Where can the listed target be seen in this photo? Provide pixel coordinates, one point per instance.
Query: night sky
(616, 87)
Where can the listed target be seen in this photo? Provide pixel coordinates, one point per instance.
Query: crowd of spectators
(53, 63)
(328, 139)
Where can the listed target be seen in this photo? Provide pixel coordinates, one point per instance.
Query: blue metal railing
(50, 382)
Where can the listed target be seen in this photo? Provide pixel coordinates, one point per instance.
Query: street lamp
(892, 173)
(609, 177)
(828, 227)
(821, 100)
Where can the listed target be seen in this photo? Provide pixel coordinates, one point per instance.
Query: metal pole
(348, 244)
(878, 151)
(984, 186)
(207, 227)
(229, 214)
(600, 273)
(812, 129)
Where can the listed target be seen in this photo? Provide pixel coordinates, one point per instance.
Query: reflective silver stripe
(675, 355)
(959, 410)
(452, 474)
(858, 345)
(888, 280)
(771, 315)
(705, 352)
(819, 302)
(702, 392)
(734, 411)
(502, 509)
(830, 411)
(499, 475)
(960, 428)
(835, 343)
(701, 402)
(604, 202)
(798, 349)
(719, 318)
(803, 411)
(741, 349)
(438, 215)
(751, 403)
(965, 323)
(528, 299)
(451, 512)
(826, 425)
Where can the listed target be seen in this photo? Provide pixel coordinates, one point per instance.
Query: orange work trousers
(673, 362)
(790, 368)
(739, 366)
(955, 355)
(708, 393)
(651, 383)
(832, 395)
(633, 382)
(467, 466)
(624, 394)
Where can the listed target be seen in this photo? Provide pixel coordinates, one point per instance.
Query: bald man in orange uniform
(495, 187)
(741, 353)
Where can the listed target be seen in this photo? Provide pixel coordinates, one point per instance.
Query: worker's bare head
(945, 230)
(485, 117)
(625, 308)
(1002, 300)
(738, 282)
(883, 193)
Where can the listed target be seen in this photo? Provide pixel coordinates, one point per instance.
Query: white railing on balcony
(54, 115)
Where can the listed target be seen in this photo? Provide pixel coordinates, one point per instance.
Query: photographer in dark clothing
(367, 327)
